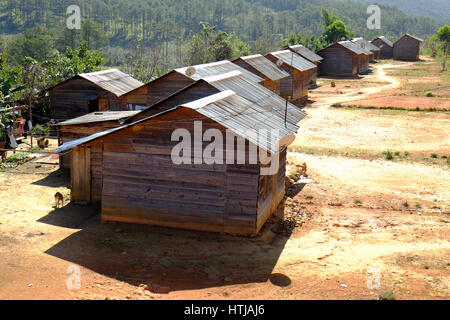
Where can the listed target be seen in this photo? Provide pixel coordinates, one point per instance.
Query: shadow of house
(72, 216)
(56, 179)
(173, 259)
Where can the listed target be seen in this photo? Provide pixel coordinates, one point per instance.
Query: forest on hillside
(127, 29)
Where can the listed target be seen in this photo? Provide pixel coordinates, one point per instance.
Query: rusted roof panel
(99, 117)
(257, 94)
(266, 67)
(294, 60)
(202, 71)
(364, 44)
(306, 53)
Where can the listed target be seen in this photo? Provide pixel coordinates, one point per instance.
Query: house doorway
(81, 174)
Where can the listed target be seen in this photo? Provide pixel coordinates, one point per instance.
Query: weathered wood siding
(338, 61)
(141, 184)
(166, 86)
(386, 52)
(71, 99)
(407, 49)
(363, 64)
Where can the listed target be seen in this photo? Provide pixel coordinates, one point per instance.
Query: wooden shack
(309, 55)
(106, 90)
(301, 71)
(177, 79)
(142, 183)
(364, 44)
(386, 48)
(87, 125)
(407, 48)
(264, 68)
(340, 59)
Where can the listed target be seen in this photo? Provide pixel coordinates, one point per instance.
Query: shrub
(390, 295)
(430, 95)
(388, 155)
(434, 155)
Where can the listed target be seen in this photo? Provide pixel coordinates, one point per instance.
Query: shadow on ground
(72, 216)
(171, 259)
(56, 179)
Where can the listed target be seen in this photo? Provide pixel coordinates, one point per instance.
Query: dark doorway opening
(93, 105)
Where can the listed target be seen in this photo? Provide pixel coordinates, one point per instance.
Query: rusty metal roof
(306, 53)
(202, 71)
(245, 119)
(257, 94)
(265, 66)
(233, 112)
(385, 40)
(364, 44)
(354, 47)
(99, 116)
(113, 80)
(294, 60)
(409, 36)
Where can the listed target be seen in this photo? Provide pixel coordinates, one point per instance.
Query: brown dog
(59, 200)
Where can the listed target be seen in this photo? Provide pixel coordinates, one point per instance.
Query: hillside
(438, 9)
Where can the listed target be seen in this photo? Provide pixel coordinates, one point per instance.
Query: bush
(429, 95)
(41, 131)
(390, 295)
(434, 155)
(388, 155)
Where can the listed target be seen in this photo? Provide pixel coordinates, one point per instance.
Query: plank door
(81, 174)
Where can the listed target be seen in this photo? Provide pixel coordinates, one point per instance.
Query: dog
(59, 200)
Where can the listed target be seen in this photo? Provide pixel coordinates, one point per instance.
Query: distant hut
(386, 48)
(364, 44)
(340, 59)
(87, 125)
(309, 55)
(264, 68)
(295, 87)
(142, 184)
(85, 93)
(407, 48)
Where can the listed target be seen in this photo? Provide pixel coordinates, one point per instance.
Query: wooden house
(407, 48)
(106, 90)
(264, 68)
(364, 44)
(178, 79)
(87, 125)
(386, 48)
(301, 71)
(309, 55)
(343, 58)
(142, 183)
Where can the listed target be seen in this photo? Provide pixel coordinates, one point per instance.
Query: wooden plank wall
(81, 174)
(68, 100)
(386, 52)
(166, 86)
(139, 178)
(337, 61)
(407, 49)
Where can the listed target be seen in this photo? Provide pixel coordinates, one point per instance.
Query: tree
(36, 43)
(94, 34)
(443, 35)
(337, 31)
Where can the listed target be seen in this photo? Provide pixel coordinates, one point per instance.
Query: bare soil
(361, 217)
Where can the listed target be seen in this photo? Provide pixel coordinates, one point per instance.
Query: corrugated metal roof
(202, 71)
(257, 94)
(113, 80)
(364, 44)
(293, 60)
(410, 36)
(230, 110)
(266, 67)
(99, 117)
(306, 53)
(244, 118)
(354, 47)
(385, 40)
